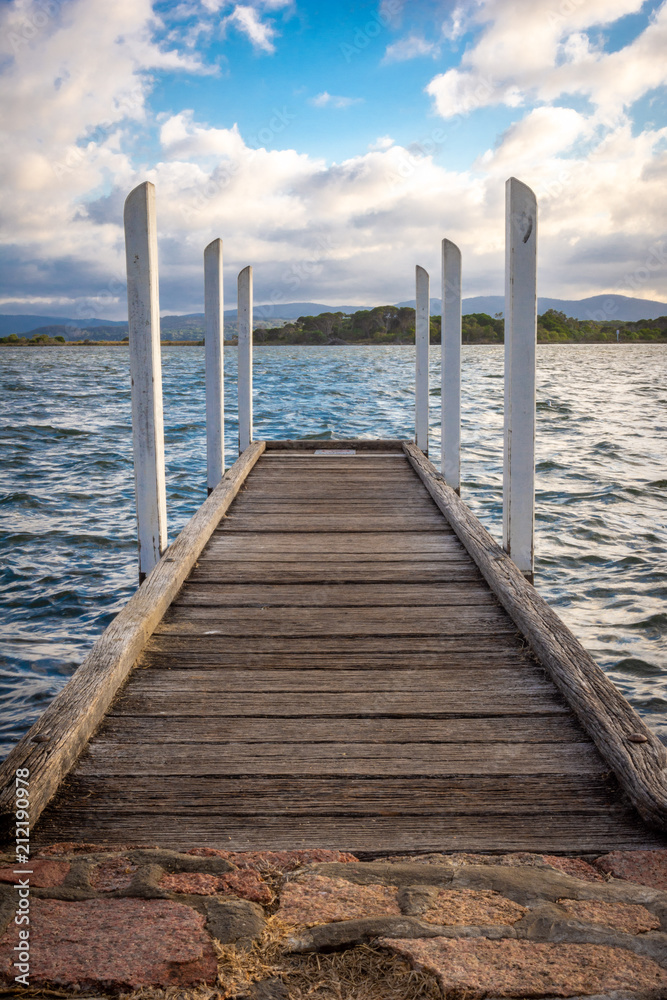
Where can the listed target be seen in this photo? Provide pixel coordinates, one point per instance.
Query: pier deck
(337, 672)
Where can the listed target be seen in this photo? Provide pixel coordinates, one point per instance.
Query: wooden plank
(575, 796)
(330, 522)
(299, 445)
(336, 621)
(218, 654)
(407, 544)
(605, 714)
(268, 570)
(437, 648)
(361, 759)
(422, 683)
(72, 717)
(558, 834)
(214, 343)
(340, 595)
(496, 729)
(368, 703)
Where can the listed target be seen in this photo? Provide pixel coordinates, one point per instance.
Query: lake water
(67, 540)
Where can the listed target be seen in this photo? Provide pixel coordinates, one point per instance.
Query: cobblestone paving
(483, 926)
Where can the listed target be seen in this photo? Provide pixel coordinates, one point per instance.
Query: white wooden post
(422, 324)
(143, 309)
(215, 364)
(451, 365)
(244, 313)
(520, 338)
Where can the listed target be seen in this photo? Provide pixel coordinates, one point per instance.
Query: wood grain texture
(495, 729)
(374, 834)
(323, 704)
(287, 595)
(266, 569)
(602, 710)
(73, 716)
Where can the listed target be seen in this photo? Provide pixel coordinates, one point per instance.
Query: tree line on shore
(388, 325)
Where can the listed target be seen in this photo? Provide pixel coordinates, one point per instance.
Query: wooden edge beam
(604, 713)
(360, 444)
(51, 747)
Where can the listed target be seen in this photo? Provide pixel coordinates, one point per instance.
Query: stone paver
(485, 968)
(643, 867)
(628, 917)
(513, 925)
(318, 900)
(44, 874)
(113, 944)
(472, 907)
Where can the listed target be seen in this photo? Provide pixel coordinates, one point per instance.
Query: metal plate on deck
(335, 451)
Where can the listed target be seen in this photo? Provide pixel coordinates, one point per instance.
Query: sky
(330, 145)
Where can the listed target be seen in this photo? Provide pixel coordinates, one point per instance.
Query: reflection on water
(68, 530)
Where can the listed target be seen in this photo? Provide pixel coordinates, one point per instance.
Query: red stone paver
(574, 866)
(245, 884)
(113, 944)
(114, 874)
(643, 867)
(45, 874)
(478, 968)
(472, 907)
(320, 900)
(628, 917)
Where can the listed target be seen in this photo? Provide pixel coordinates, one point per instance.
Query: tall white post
(422, 330)
(520, 339)
(451, 365)
(244, 313)
(215, 364)
(143, 309)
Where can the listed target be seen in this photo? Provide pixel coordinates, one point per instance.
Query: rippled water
(67, 540)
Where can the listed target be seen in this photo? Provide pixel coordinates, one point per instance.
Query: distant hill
(598, 307)
(603, 308)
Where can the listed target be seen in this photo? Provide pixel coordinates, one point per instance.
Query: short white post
(244, 313)
(451, 365)
(143, 310)
(520, 339)
(215, 364)
(422, 325)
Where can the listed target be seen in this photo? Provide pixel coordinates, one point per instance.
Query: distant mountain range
(598, 307)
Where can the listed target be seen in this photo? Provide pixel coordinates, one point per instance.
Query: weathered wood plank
(346, 595)
(343, 543)
(336, 621)
(575, 796)
(438, 649)
(603, 711)
(300, 445)
(503, 729)
(301, 682)
(331, 522)
(73, 716)
(361, 759)
(343, 570)
(551, 834)
(368, 703)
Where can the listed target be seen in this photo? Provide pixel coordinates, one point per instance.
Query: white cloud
(502, 68)
(410, 47)
(246, 20)
(61, 195)
(325, 99)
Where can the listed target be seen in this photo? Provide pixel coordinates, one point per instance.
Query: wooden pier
(336, 671)
(334, 653)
